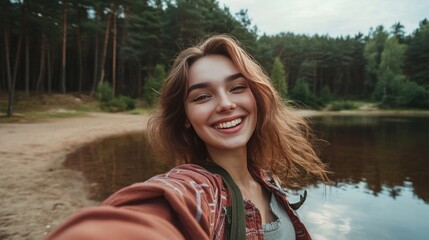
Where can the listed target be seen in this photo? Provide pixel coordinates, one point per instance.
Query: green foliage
(113, 104)
(302, 93)
(417, 56)
(119, 104)
(153, 84)
(342, 105)
(278, 77)
(390, 73)
(398, 32)
(372, 53)
(144, 32)
(130, 103)
(325, 95)
(407, 94)
(392, 87)
(151, 32)
(104, 92)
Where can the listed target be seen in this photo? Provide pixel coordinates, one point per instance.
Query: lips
(228, 124)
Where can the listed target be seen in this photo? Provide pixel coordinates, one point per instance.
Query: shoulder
(188, 173)
(262, 175)
(193, 171)
(182, 181)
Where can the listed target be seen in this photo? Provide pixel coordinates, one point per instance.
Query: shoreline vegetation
(44, 107)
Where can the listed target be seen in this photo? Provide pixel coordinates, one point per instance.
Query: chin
(231, 145)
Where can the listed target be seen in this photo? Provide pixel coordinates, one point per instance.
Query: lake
(381, 179)
(379, 190)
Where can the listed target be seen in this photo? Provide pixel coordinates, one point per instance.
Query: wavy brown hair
(280, 142)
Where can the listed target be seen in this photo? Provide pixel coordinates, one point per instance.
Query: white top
(282, 228)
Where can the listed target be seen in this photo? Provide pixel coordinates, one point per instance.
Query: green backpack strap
(236, 228)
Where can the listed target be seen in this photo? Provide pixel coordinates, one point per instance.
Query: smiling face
(220, 106)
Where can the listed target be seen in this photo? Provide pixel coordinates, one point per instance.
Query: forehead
(211, 68)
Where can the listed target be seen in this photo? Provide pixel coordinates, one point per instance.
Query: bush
(115, 105)
(129, 102)
(342, 105)
(325, 95)
(110, 103)
(104, 92)
(119, 104)
(301, 92)
(407, 94)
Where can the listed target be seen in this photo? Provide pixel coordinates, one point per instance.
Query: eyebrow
(206, 84)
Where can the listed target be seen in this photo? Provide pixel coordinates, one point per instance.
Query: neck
(234, 162)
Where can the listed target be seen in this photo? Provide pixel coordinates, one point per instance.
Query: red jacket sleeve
(176, 205)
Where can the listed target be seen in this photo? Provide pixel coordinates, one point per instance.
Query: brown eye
(238, 88)
(201, 98)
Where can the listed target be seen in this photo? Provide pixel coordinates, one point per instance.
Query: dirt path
(33, 199)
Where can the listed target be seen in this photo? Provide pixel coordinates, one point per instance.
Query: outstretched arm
(177, 205)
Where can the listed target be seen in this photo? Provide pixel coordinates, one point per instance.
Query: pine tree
(417, 56)
(278, 77)
(372, 53)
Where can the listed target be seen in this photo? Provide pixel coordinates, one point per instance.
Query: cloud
(330, 222)
(333, 17)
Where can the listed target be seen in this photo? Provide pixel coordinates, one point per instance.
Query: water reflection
(381, 169)
(350, 213)
(380, 152)
(113, 163)
(380, 165)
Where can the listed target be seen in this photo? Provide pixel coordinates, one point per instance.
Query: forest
(127, 46)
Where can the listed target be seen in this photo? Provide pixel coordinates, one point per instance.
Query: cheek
(197, 115)
(250, 102)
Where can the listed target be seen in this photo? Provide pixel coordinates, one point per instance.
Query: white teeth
(229, 124)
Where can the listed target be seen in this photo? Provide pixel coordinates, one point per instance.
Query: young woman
(217, 110)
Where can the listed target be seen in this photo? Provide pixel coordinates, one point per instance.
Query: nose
(225, 104)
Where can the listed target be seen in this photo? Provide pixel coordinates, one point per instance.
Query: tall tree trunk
(7, 55)
(64, 52)
(27, 63)
(42, 64)
(96, 61)
(15, 73)
(114, 51)
(79, 48)
(49, 64)
(106, 42)
(121, 67)
(95, 73)
(139, 78)
(27, 47)
(315, 78)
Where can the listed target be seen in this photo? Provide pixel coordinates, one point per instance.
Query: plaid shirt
(188, 202)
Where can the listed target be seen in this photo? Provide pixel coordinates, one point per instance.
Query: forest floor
(37, 191)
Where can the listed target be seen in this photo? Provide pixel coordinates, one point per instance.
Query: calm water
(380, 184)
(381, 181)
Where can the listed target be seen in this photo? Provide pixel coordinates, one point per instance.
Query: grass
(141, 108)
(47, 106)
(40, 107)
(139, 111)
(342, 105)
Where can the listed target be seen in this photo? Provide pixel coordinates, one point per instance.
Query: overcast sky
(332, 17)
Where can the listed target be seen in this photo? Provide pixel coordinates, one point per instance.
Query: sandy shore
(37, 192)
